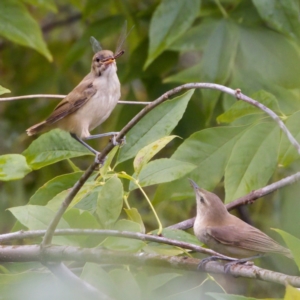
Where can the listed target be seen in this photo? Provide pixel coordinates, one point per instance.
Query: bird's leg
(73, 135)
(240, 261)
(113, 134)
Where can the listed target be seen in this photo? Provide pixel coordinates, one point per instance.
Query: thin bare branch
(50, 96)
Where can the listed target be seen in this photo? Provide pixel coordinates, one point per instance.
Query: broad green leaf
(291, 293)
(170, 20)
(282, 15)
(18, 26)
(218, 296)
(46, 4)
(52, 147)
(162, 170)
(53, 187)
(97, 277)
(253, 160)
(210, 150)
(260, 47)
(242, 108)
(287, 152)
(35, 217)
(135, 216)
(293, 244)
(124, 244)
(218, 56)
(3, 90)
(146, 153)
(156, 124)
(180, 235)
(196, 37)
(13, 166)
(110, 202)
(128, 288)
(159, 280)
(82, 220)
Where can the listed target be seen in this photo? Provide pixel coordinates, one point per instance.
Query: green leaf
(146, 153)
(180, 235)
(253, 160)
(135, 216)
(293, 244)
(52, 147)
(18, 26)
(106, 166)
(242, 108)
(159, 280)
(53, 187)
(3, 90)
(283, 16)
(170, 20)
(156, 124)
(35, 217)
(287, 152)
(99, 278)
(13, 166)
(291, 293)
(162, 249)
(162, 170)
(124, 244)
(218, 56)
(210, 150)
(110, 202)
(260, 47)
(46, 4)
(128, 288)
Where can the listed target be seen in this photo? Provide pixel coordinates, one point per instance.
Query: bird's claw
(204, 261)
(99, 161)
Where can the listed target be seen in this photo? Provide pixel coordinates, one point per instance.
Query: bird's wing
(246, 237)
(74, 100)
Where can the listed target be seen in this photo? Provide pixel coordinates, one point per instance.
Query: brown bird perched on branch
(89, 104)
(227, 234)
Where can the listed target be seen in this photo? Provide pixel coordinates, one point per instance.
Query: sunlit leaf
(3, 90)
(13, 167)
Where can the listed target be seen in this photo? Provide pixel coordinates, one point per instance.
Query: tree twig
(51, 96)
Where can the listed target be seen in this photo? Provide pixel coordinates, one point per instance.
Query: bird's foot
(115, 143)
(247, 261)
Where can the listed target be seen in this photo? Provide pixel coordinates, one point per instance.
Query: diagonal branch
(235, 93)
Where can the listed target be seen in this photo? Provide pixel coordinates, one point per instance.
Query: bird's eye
(202, 199)
(97, 59)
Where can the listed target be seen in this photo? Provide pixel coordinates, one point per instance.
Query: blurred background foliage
(251, 45)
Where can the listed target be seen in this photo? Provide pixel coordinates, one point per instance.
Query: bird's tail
(36, 128)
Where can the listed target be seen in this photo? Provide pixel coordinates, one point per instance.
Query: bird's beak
(194, 184)
(109, 61)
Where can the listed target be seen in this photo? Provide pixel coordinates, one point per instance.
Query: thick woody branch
(97, 255)
(247, 199)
